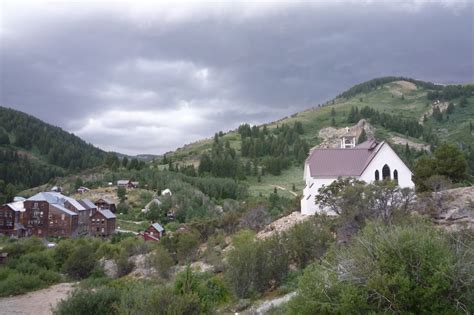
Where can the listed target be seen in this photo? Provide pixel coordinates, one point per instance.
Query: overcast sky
(148, 77)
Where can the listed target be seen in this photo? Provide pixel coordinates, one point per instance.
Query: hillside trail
(283, 188)
(39, 302)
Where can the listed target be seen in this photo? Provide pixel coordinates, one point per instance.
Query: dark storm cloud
(141, 78)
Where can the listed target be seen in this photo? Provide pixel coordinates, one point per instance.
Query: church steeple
(348, 140)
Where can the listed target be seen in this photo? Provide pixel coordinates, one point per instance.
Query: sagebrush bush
(414, 269)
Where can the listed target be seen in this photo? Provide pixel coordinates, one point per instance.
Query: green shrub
(49, 277)
(23, 246)
(162, 261)
(210, 290)
(81, 262)
(124, 265)
(82, 301)
(134, 246)
(254, 266)
(400, 269)
(17, 283)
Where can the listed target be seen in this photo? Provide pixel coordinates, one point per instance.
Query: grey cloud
(88, 68)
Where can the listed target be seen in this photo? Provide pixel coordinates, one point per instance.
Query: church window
(395, 176)
(377, 175)
(386, 172)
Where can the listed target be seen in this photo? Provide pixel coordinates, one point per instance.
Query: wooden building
(62, 221)
(102, 223)
(35, 218)
(105, 204)
(154, 232)
(10, 219)
(85, 216)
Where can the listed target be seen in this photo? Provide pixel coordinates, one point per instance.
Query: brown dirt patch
(37, 302)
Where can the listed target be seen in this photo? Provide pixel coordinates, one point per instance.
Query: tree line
(56, 145)
(449, 92)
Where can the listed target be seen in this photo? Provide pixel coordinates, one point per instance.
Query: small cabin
(154, 232)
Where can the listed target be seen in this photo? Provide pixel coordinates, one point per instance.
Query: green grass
(293, 175)
(132, 226)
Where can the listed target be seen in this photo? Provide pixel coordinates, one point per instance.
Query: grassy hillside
(401, 98)
(394, 100)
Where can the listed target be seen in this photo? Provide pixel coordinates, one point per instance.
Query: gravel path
(268, 305)
(37, 302)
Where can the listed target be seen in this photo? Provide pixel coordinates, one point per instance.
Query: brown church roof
(342, 162)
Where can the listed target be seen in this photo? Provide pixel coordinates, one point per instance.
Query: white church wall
(386, 155)
(308, 205)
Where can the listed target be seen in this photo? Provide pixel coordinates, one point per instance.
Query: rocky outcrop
(332, 136)
(457, 208)
(282, 224)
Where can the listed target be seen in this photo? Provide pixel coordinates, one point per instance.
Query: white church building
(369, 161)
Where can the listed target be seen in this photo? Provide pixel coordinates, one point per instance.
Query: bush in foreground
(403, 270)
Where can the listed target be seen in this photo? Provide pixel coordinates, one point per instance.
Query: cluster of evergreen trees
(284, 141)
(396, 123)
(59, 147)
(450, 92)
(113, 162)
(17, 172)
(222, 161)
(267, 151)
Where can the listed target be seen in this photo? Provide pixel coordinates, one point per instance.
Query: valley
(235, 239)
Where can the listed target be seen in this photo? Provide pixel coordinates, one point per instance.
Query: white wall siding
(308, 206)
(386, 155)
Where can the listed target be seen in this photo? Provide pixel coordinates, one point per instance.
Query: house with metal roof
(368, 161)
(10, 219)
(52, 214)
(153, 233)
(102, 223)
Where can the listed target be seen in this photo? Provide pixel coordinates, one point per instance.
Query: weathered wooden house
(105, 204)
(36, 215)
(10, 219)
(51, 214)
(102, 223)
(85, 216)
(62, 221)
(153, 233)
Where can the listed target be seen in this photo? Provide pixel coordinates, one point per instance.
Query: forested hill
(32, 151)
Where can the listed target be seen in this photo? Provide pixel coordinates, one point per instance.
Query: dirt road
(35, 303)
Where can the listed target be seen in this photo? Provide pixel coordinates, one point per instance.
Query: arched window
(386, 172)
(377, 175)
(395, 176)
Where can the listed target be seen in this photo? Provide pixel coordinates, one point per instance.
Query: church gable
(387, 165)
